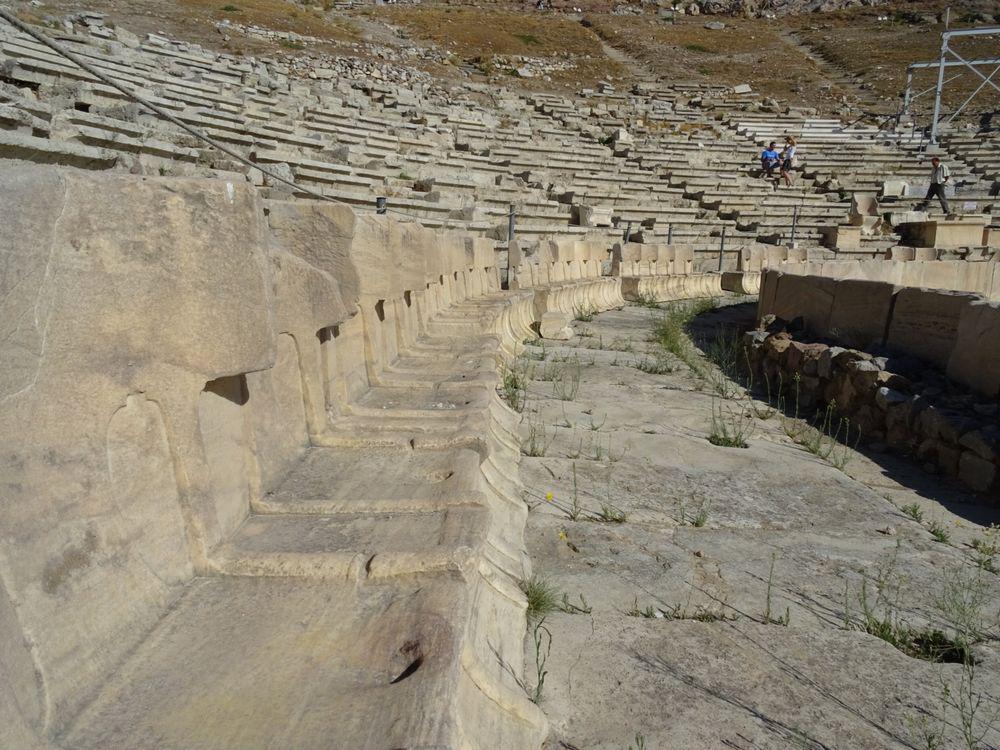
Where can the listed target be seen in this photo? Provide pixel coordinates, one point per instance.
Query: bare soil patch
(880, 51)
(478, 34)
(746, 51)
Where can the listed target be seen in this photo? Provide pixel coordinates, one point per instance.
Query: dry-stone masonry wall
(914, 369)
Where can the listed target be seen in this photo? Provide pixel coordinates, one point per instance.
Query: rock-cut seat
(264, 663)
(363, 513)
(339, 618)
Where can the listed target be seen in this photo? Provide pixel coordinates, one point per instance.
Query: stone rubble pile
(894, 402)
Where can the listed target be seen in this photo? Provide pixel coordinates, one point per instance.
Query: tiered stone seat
(687, 170)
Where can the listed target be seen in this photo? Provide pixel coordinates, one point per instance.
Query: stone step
(280, 662)
(353, 480)
(357, 546)
(14, 145)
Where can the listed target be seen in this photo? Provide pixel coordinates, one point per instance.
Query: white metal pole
(940, 85)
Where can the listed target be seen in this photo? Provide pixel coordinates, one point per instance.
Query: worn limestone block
(808, 297)
(860, 312)
(768, 290)
(757, 256)
(593, 216)
(555, 325)
(974, 276)
(844, 237)
(864, 212)
(925, 323)
(945, 234)
(321, 234)
(907, 217)
(741, 282)
(975, 360)
(894, 188)
(122, 297)
(683, 259)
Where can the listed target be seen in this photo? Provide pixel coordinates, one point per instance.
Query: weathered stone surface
(977, 472)
(860, 312)
(555, 325)
(808, 297)
(925, 323)
(200, 355)
(975, 359)
(122, 305)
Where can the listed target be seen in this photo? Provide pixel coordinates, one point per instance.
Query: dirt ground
(803, 59)
(194, 21)
(746, 51)
(723, 596)
(880, 51)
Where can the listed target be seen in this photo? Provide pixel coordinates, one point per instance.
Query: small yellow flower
(562, 536)
(548, 496)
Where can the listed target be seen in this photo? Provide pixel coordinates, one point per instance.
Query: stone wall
(889, 402)
(917, 370)
(955, 332)
(915, 269)
(174, 353)
(170, 349)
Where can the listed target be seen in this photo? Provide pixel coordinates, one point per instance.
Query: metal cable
(155, 109)
(446, 223)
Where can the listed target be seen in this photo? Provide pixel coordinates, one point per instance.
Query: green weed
(731, 428)
(939, 532)
(513, 386)
(541, 595)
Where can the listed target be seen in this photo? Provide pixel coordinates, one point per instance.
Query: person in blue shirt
(769, 159)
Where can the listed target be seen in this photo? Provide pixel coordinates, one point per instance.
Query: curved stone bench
(280, 494)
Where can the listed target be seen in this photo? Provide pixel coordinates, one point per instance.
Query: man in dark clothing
(940, 174)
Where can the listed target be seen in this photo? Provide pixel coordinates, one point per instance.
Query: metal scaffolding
(951, 59)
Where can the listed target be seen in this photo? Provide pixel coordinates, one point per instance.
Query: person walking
(940, 175)
(788, 160)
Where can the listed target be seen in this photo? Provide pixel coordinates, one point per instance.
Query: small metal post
(510, 238)
(722, 247)
(380, 202)
(628, 232)
(795, 221)
(670, 234)
(947, 17)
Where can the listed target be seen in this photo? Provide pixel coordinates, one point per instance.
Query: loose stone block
(555, 325)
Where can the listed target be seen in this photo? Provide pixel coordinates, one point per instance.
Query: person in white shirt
(788, 160)
(940, 174)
